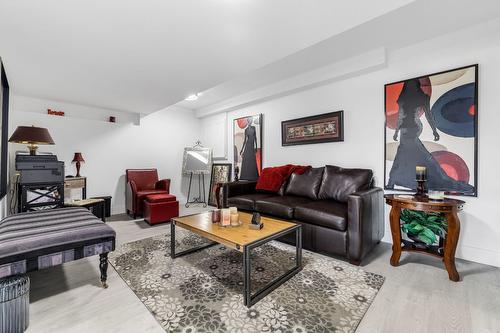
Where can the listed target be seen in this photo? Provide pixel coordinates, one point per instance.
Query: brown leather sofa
(140, 183)
(340, 210)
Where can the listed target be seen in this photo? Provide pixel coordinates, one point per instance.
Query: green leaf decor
(426, 227)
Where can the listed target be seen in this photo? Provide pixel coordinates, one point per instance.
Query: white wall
(362, 99)
(110, 148)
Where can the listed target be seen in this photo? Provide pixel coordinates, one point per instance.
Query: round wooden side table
(448, 207)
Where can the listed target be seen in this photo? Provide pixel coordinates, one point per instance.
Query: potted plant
(423, 227)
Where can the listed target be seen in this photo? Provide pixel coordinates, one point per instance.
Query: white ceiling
(407, 25)
(145, 55)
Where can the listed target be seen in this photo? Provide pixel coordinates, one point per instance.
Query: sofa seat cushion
(326, 213)
(247, 201)
(280, 206)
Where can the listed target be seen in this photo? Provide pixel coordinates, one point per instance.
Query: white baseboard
(483, 256)
(471, 253)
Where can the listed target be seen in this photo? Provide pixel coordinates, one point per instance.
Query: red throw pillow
(272, 178)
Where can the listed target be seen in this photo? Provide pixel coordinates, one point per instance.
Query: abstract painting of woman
(413, 102)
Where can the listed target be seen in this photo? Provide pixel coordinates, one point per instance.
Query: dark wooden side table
(89, 204)
(448, 207)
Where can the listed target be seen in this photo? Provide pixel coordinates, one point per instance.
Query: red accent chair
(140, 183)
(160, 208)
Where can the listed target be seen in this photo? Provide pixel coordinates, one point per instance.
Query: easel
(201, 180)
(197, 200)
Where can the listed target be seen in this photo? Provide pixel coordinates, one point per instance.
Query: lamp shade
(31, 135)
(78, 158)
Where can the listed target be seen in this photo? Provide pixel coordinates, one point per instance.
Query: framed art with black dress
(4, 127)
(432, 121)
(247, 145)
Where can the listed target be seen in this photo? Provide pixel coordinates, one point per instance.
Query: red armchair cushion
(160, 198)
(272, 178)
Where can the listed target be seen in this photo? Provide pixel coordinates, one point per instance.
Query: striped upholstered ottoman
(42, 239)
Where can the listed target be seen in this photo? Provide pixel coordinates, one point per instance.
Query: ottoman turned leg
(103, 267)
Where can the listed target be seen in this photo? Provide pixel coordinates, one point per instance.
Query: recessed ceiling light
(193, 97)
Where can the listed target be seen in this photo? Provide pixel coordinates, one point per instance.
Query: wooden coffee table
(243, 240)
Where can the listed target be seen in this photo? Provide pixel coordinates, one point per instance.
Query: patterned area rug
(202, 292)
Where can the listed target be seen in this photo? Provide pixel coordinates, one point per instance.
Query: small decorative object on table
(225, 219)
(436, 195)
(216, 216)
(256, 223)
(78, 158)
(112, 119)
(235, 217)
(421, 179)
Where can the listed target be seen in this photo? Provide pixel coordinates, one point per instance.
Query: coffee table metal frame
(250, 299)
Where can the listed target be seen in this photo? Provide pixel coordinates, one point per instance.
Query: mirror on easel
(197, 161)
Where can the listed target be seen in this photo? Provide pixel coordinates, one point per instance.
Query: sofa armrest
(365, 226)
(233, 189)
(163, 184)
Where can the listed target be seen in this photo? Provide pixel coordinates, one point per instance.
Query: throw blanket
(271, 179)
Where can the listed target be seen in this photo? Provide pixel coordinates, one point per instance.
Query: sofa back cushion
(338, 183)
(306, 184)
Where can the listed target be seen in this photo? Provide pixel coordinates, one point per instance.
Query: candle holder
(421, 191)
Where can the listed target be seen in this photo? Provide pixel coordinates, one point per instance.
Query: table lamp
(78, 158)
(31, 136)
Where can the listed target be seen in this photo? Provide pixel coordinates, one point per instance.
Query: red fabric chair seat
(160, 198)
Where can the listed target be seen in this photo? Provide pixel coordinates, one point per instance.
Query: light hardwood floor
(416, 297)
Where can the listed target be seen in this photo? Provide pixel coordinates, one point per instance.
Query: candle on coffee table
(225, 218)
